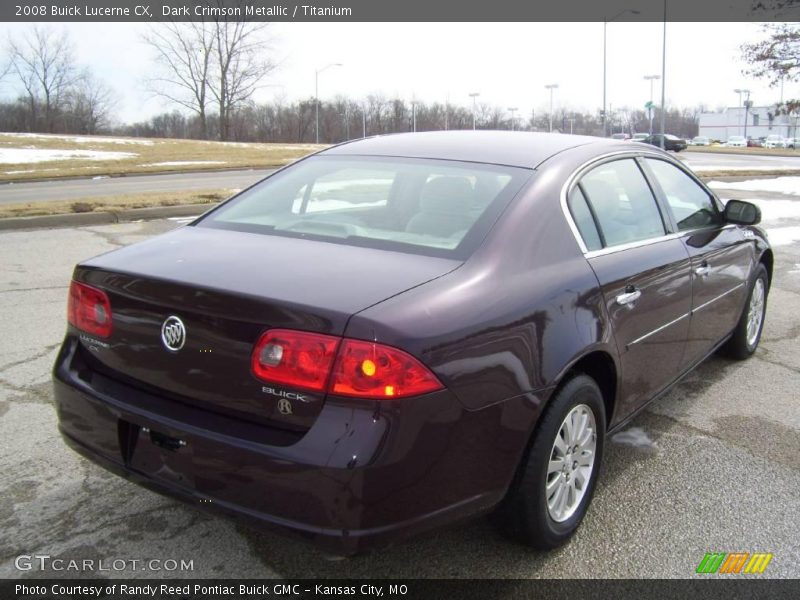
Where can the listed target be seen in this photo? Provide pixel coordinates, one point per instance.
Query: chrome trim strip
(664, 326)
(691, 312)
(722, 295)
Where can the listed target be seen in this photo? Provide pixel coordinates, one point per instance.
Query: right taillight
(89, 309)
(343, 367)
(370, 370)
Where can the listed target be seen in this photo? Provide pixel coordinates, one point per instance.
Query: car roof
(512, 148)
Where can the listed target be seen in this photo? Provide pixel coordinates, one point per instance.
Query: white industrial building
(761, 121)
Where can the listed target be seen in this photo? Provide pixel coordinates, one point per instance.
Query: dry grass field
(26, 156)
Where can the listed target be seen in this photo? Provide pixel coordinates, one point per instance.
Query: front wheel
(747, 334)
(555, 484)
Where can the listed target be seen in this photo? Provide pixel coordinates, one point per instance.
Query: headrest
(452, 195)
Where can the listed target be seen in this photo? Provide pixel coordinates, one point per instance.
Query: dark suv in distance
(671, 142)
(406, 331)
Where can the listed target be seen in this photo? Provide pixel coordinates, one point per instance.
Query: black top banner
(400, 10)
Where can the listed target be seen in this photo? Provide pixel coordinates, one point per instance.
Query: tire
(747, 334)
(525, 515)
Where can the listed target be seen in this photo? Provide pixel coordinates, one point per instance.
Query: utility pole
(551, 87)
(664, 78)
(512, 110)
(474, 95)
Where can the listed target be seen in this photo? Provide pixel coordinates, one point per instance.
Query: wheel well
(767, 259)
(600, 367)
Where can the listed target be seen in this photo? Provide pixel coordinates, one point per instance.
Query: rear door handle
(703, 270)
(629, 297)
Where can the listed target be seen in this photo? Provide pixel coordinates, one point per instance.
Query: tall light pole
(474, 96)
(414, 115)
(741, 91)
(651, 78)
(316, 92)
(551, 87)
(512, 110)
(664, 78)
(605, 30)
(747, 105)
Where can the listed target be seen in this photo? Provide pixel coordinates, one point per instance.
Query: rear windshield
(441, 208)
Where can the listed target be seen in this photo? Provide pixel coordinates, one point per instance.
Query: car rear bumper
(364, 475)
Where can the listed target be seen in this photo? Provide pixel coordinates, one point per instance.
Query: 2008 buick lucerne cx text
(401, 332)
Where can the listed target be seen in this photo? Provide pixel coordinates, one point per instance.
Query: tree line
(208, 72)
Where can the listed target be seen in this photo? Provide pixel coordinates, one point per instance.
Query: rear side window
(584, 220)
(622, 202)
(692, 206)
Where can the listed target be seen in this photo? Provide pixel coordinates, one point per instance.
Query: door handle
(629, 297)
(703, 270)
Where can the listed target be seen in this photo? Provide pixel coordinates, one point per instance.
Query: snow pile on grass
(21, 156)
(82, 139)
(780, 185)
(181, 163)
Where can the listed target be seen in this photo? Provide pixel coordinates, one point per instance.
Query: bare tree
(43, 60)
(184, 54)
(776, 58)
(89, 104)
(241, 63)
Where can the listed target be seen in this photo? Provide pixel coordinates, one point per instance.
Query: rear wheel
(555, 483)
(747, 334)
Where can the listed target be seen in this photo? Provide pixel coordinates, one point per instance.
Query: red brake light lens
(370, 370)
(89, 309)
(294, 358)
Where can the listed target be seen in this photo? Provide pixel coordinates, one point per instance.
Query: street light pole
(605, 30)
(512, 110)
(664, 78)
(551, 87)
(651, 78)
(474, 95)
(746, 108)
(738, 115)
(316, 93)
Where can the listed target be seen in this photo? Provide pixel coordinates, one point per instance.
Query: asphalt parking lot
(713, 466)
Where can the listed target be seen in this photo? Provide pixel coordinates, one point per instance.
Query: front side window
(692, 206)
(622, 202)
(425, 206)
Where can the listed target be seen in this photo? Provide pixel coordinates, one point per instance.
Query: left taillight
(341, 366)
(89, 309)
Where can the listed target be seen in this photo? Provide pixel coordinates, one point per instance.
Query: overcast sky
(507, 63)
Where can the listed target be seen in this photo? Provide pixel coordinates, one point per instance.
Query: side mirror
(740, 212)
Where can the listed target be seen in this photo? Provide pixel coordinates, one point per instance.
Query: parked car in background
(755, 143)
(793, 143)
(774, 141)
(700, 140)
(639, 137)
(736, 141)
(671, 142)
(407, 331)
(620, 136)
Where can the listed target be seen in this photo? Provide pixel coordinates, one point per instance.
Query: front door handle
(629, 297)
(703, 270)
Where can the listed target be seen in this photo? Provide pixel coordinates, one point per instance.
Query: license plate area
(159, 455)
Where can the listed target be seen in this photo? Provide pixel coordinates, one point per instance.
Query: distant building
(761, 122)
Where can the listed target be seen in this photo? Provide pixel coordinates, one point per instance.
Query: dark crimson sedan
(405, 331)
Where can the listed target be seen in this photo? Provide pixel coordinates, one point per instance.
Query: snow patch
(82, 139)
(781, 185)
(783, 236)
(15, 156)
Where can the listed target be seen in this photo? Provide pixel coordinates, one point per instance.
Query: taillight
(341, 366)
(294, 358)
(89, 310)
(370, 370)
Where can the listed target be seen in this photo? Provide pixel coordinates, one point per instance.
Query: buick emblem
(284, 406)
(173, 333)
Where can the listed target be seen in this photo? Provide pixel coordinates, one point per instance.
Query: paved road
(714, 466)
(69, 189)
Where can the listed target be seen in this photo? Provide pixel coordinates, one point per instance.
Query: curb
(103, 218)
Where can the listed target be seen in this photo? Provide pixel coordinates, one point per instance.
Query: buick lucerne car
(406, 331)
